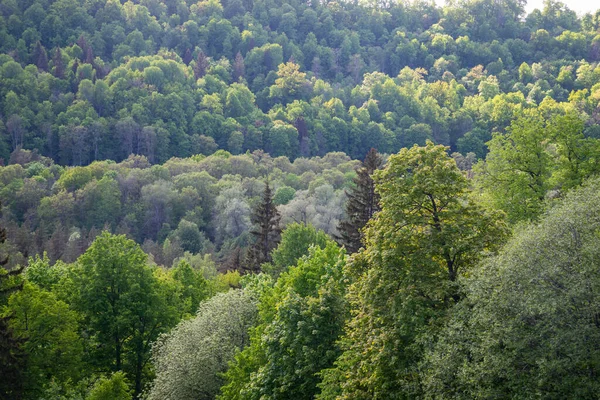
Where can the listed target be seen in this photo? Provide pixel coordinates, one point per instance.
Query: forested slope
(91, 80)
(184, 213)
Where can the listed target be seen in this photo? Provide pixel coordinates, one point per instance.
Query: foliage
(537, 157)
(300, 320)
(113, 388)
(119, 298)
(527, 326)
(426, 235)
(266, 232)
(190, 359)
(296, 240)
(362, 203)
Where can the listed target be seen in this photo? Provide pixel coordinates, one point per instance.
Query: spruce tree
(40, 57)
(201, 65)
(362, 203)
(239, 68)
(59, 66)
(266, 231)
(11, 355)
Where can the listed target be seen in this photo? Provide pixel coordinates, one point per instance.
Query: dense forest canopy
(185, 212)
(94, 80)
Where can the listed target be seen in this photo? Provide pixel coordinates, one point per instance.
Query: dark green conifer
(266, 231)
(362, 203)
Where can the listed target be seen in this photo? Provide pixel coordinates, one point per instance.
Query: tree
(40, 57)
(239, 69)
(300, 320)
(427, 234)
(11, 354)
(362, 203)
(537, 154)
(59, 66)
(296, 240)
(528, 325)
(114, 387)
(120, 299)
(52, 344)
(201, 65)
(190, 359)
(266, 232)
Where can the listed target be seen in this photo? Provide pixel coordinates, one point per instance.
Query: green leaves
(537, 158)
(426, 235)
(121, 302)
(527, 326)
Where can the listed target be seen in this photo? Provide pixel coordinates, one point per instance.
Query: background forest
(185, 213)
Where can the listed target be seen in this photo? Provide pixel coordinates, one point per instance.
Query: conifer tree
(239, 68)
(11, 355)
(59, 66)
(266, 232)
(40, 57)
(187, 57)
(201, 65)
(362, 203)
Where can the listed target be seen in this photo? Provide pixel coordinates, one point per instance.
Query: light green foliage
(426, 235)
(190, 359)
(295, 243)
(120, 300)
(537, 155)
(300, 320)
(528, 324)
(192, 287)
(50, 328)
(113, 388)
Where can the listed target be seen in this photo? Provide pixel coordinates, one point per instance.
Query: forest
(275, 199)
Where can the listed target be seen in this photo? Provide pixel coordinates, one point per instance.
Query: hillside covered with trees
(91, 80)
(262, 200)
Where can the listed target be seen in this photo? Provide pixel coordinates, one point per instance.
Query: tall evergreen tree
(362, 203)
(201, 65)
(40, 57)
(59, 66)
(266, 232)
(239, 68)
(11, 355)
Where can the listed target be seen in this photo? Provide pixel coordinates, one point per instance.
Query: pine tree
(11, 355)
(40, 57)
(59, 66)
(187, 57)
(239, 69)
(362, 203)
(201, 65)
(266, 232)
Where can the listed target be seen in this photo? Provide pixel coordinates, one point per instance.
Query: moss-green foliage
(82, 81)
(426, 235)
(528, 324)
(300, 320)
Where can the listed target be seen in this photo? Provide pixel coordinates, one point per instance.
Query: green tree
(119, 297)
(362, 203)
(427, 234)
(528, 325)
(296, 240)
(52, 343)
(300, 320)
(114, 387)
(11, 353)
(190, 359)
(266, 231)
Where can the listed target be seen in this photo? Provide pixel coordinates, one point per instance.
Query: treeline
(86, 81)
